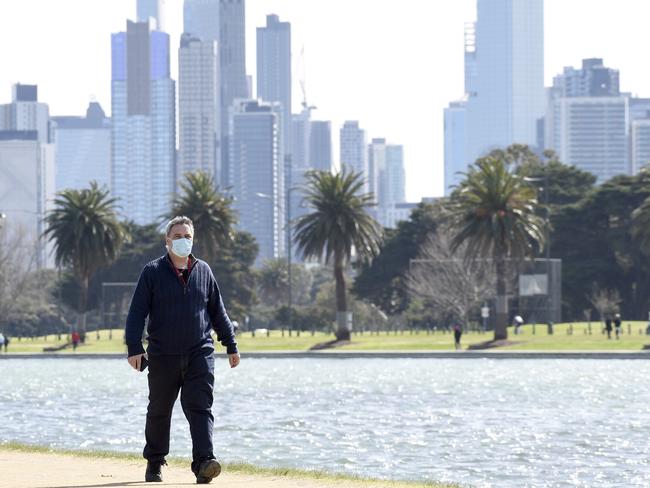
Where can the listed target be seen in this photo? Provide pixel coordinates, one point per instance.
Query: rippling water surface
(485, 423)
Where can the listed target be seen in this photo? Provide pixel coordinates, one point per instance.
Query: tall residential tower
(198, 107)
(508, 99)
(143, 144)
(274, 70)
(354, 150)
(222, 21)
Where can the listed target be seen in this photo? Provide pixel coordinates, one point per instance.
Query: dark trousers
(193, 375)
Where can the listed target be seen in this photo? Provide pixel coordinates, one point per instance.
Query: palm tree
(86, 234)
(274, 280)
(493, 212)
(338, 226)
(210, 211)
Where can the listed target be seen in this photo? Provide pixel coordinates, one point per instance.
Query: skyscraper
(471, 70)
(311, 150)
(152, 9)
(274, 70)
(83, 149)
(354, 150)
(592, 134)
(456, 161)
(592, 80)
(587, 120)
(387, 178)
(143, 123)
(455, 116)
(222, 21)
(198, 106)
(320, 145)
(639, 133)
(509, 96)
(26, 113)
(640, 147)
(376, 168)
(395, 176)
(27, 189)
(257, 174)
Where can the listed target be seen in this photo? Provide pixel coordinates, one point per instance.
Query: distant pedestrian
(458, 332)
(6, 343)
(517, 323)
(608, 326)
(617, 325)
(76, 338)
(2, 340)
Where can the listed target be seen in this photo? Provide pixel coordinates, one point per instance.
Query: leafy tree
(35, 312)
(338, 225)
(234, 263)
(494, 214)
(566, 184)
(599, 243)
(273, 282)
(381, 281)
(641, 226)
(86, 234)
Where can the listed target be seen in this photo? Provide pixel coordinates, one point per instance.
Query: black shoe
(208, 470)
(153, 472)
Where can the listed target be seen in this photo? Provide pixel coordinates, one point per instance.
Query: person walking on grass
(458, 332)
(76, 338)
(180, 295)
(608, 326)
(617, 325)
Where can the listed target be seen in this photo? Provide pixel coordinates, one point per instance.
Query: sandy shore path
(45, 470)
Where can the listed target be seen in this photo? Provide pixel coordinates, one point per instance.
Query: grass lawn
(531, 338)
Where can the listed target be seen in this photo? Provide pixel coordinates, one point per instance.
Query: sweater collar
(191, 261)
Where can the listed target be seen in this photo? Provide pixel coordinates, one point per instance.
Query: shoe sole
(209, 470)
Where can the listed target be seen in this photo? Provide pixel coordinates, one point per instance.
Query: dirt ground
(40, 470)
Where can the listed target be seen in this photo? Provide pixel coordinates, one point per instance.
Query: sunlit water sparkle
(486, 423)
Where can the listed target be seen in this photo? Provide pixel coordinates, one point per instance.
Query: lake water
(484, 423)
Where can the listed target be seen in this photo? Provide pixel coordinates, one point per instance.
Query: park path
(43, 470)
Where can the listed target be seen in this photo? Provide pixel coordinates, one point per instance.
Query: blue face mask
(182, 247)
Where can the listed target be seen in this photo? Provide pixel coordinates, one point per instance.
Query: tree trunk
(83, 301)
(342, 330)
(501, 325)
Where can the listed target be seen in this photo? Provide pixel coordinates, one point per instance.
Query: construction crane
(303, 83)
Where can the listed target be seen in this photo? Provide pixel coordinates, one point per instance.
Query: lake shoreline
(95, 468)
(347, 354)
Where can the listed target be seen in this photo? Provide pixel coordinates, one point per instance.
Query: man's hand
(234, 359)
(135, 361)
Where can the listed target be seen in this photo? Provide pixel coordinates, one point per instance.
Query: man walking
(181, 297)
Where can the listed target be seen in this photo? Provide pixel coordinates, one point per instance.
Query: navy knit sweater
(181, 314)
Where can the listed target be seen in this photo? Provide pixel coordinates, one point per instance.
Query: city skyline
(347, 75)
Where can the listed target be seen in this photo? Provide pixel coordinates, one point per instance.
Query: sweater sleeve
(220, 321)
(138, 312)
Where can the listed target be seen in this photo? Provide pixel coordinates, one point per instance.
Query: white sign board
(534, 284)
